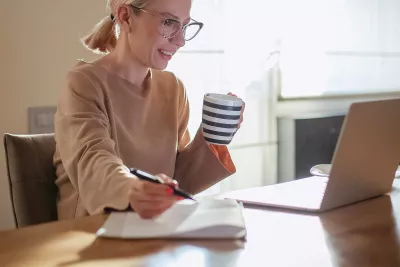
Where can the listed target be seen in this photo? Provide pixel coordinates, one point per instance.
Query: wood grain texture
(364, 234)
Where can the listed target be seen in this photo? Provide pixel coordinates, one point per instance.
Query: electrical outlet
(41, 119)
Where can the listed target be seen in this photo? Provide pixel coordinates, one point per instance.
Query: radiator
(305, 141)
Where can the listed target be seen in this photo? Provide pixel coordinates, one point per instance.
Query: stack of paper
(212, 218)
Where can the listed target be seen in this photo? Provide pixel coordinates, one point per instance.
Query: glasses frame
(182, 27)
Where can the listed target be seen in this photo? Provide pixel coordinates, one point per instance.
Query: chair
(31, 176)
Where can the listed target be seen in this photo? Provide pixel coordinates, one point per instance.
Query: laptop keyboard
(307, 193)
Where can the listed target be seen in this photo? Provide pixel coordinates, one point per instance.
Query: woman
(123, 111)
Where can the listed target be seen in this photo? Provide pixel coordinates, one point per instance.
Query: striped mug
(221, 116)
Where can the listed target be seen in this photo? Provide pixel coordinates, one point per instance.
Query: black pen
(154, 179)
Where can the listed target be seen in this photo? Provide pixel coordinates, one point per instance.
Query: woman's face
(150, 26)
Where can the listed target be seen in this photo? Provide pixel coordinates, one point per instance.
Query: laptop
(364, 163)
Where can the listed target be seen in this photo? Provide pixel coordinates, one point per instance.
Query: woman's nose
(179, 39)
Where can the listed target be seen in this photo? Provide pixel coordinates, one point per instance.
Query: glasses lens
(191, 31)
(170, 28)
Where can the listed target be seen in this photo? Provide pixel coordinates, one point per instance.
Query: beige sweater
(104, 125)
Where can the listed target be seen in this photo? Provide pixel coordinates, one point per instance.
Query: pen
(154, 179)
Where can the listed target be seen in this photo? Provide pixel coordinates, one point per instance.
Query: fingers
(168, 180)
(151, 209)
(153, 189)
(241, 113)
(144, 191)
(240, 121)
(151, 199)
(244, 104)
(150, 213)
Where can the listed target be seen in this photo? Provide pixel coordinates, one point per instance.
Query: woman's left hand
(241, 114)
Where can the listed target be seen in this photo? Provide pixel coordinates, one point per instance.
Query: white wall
(39, 43)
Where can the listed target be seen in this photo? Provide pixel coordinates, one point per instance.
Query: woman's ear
(123, 18)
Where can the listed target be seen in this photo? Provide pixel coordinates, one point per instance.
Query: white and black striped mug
(221, 117)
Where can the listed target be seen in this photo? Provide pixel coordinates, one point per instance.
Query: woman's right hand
(149, 199)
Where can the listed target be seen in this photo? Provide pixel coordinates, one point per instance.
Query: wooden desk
(363, 234)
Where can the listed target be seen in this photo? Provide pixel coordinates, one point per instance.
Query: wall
(39, 43)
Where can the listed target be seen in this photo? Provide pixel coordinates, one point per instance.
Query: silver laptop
(363, 166)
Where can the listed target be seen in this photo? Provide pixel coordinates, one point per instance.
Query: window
(340, 47)
(212, 63)
(199, 63)
(265, 49)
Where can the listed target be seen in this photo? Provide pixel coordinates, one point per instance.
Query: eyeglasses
(169, 28)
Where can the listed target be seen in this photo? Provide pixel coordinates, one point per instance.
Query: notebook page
(181, 218)
(184, 218)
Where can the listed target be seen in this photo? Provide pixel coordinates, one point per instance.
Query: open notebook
(211, 218)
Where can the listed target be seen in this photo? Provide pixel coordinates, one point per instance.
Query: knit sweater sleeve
(199, 165)
(86, 148)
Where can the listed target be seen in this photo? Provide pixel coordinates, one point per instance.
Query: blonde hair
(102, 39)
